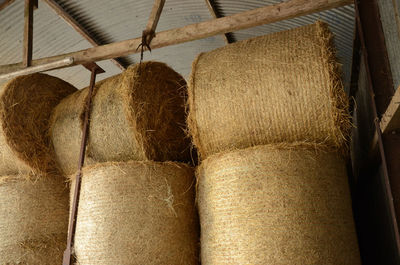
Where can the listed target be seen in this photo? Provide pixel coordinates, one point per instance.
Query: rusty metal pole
(68, 254)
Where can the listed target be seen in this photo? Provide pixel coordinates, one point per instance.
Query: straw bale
(283, 87)
(33, 220)
(137, 213)
(137, 115)
(26, 103)
(276, 205)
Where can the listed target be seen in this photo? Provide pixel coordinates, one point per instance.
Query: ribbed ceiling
(110, 21)
(51, 36)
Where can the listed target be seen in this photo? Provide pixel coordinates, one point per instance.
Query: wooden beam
(28, 33)
(391, 118)
(78, 28)
(378, 57)
(155, 15)
(248, 19)
(92, 66)
(228, 38)
(5, 4)
(39, 68)
(388, 234)
(392, 151)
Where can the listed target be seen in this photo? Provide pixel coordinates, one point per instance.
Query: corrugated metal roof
(51, 36)
(110, 21)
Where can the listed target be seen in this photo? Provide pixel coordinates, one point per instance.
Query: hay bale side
(137, 115)
(282, 87)
(269, 205)
(33, 220)
(137, 213)
(26, 103)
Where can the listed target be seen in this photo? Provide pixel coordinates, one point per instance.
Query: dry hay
(283, 87)
(137, 115)
(137, 213)
(26, 103)
(33, 220)
(276, 205)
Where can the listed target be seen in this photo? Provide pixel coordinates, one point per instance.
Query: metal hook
(147, 36)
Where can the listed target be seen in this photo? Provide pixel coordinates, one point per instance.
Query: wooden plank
(39, 68)
(379, 65)
(5, 4)
(264, 15)
(375, 227)
(392, 151)
(28, 33)
(371, 41)
(389, 10)
(92, 66)
(217, 14)
(155, 15)
(389, 18)
(391, 118)
(150, 32)
(363, 131)
(78, 28)
(375, 215)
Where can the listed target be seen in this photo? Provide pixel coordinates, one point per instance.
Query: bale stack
(276, 205)
(135, 206)
(137, 213)
(26, 104)
(34, 197)
(269, 118)
(137, 115)
(33, 219)
(284, 87)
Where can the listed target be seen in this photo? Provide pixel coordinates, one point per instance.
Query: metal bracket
(150, 32)
(147, 36)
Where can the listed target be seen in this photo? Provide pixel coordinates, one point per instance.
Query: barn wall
(371, 200)
(390, 19)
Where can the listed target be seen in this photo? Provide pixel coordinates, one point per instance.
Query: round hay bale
(33, 220)
(137, 115)
(276, 205)
(283, 87)
(137, 213)
(26, 103)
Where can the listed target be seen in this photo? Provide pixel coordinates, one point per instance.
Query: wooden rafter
(248, 19)
(150, 32)
(40, 68)
(78, 28)
(5, 4)
(391, 118)
(28, 32)
(155, 15)
(217, 14)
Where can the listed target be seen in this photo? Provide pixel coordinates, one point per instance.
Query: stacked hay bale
(137, 115)
(34, 197)
(135, 207)
(269, 118)
(137, 213)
